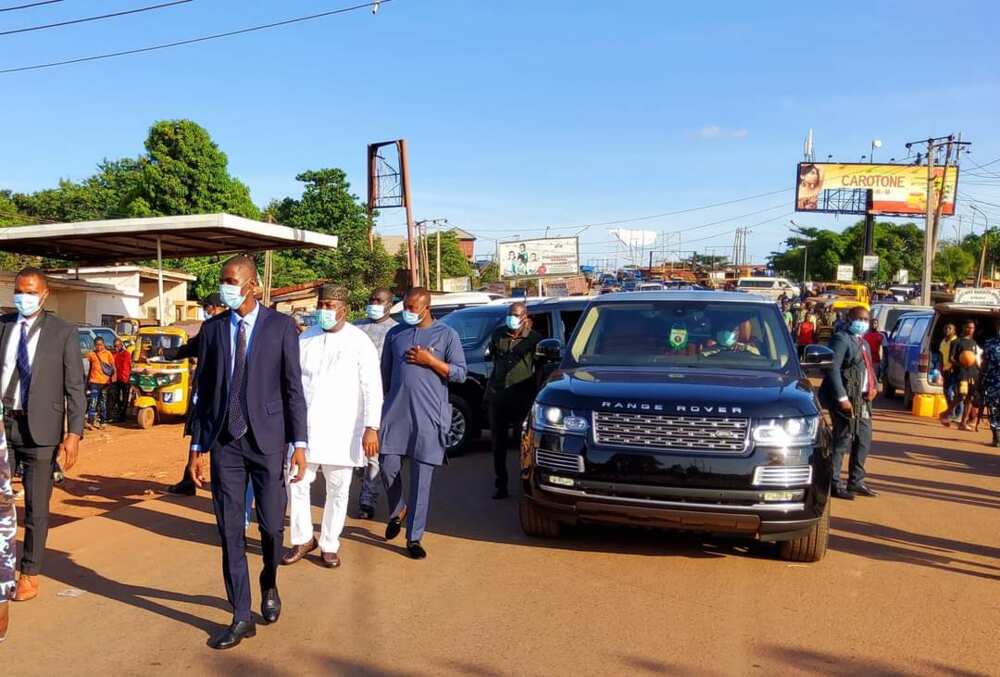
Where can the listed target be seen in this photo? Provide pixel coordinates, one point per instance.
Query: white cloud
(717, 132)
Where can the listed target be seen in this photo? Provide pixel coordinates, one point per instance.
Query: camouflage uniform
(8, 524)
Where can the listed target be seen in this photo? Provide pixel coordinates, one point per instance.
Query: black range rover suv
(683, 410)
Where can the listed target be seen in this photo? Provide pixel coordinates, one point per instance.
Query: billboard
(539, 258)
(896, 189)
(845, 272)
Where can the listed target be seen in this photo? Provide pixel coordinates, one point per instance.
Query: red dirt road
(133, 586)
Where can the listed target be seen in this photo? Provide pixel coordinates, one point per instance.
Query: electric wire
(191, 41)
(70, 22)
(30, 4)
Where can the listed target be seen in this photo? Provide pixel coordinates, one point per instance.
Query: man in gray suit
(848, 390)
(44, 408)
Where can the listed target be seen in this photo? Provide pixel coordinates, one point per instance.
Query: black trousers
(855, 443)
(234, 463)
(507, 409)
(37, 464)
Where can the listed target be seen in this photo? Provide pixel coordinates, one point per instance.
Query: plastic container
(923, 405)
(940, 405)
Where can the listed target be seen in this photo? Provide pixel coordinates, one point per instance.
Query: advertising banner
(455, 284)
(978, 296)
(897, 189)
(557, 256)
(869, 263)
(845, 272)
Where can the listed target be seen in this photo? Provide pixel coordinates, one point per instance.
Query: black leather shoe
(416, 550)
(862, 489)
(500, 494)
(841, 492)
(366, 512)
(233, 635)
(996, 438)
(183, 488)
(393, 528)
(270, 606)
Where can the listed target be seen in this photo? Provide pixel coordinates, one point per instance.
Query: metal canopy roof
(118, 240)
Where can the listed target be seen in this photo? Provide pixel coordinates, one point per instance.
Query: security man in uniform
(511, 388)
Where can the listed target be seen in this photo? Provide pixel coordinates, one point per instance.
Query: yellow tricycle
(161, 380)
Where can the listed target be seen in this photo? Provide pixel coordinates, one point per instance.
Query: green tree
(953, 264)
(327, 206)
(453, 261)
(10, 216)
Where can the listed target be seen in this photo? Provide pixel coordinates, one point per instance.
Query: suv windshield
(474, 327)
(684, 334)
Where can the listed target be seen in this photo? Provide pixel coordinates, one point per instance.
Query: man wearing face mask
(250, 407)
(511, 388)
(419, 359)
(376, 325)
(343, 390)
(44, 408)
(727, 340)
(848, 390)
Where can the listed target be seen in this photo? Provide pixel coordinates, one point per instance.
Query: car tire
(461, 432)
(907, 394)
(536, 524)
(145, 417)
(812, 546)
(887, 389)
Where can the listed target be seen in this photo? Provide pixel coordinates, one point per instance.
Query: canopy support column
(159, 282)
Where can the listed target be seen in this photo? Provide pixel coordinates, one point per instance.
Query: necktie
(23, 365)
(872, 386)
(237, 419)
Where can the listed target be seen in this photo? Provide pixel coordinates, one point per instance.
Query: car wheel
(812, 546)
(536, 524)
(887, 388)
(460, 433)
(907, 394)
(145, 417)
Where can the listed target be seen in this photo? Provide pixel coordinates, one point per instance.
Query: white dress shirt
(342, 382)
(10, 355)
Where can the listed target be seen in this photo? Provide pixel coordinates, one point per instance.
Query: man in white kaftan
(342, 382)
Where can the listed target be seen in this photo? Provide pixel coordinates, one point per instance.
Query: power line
(148, 8)
(203, 38)
(30, 4)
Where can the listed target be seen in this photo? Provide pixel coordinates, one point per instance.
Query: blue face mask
(726, 338)
(411, 318)
(513, 322)
(375, 311)
(858, 327)
(232, 295)
(27, 304)
(326, 319)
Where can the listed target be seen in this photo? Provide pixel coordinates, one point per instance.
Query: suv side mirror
(549, 350)
(816, 357)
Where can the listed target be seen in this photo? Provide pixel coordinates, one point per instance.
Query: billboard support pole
(411, 255)
(869, 248)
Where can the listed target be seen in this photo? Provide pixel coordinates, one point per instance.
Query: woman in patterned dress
(8, 530)
(989, 381)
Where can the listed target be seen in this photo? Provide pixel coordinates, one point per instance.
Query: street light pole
(982, 253)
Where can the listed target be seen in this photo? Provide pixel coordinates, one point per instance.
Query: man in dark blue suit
(250, 408)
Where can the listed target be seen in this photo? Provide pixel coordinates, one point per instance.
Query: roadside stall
(161, 386)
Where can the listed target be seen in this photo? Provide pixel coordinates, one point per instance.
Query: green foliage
(953, 264)
(899, 246)
(490, 273)
(453, 261)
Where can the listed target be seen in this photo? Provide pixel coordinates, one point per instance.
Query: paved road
(910, 585)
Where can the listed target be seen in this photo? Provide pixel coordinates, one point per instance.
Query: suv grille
(556, 460)
(684, 433)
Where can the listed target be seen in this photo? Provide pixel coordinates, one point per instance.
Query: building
(466, 242)
(79, 301)
(296, 298)
(142, 282)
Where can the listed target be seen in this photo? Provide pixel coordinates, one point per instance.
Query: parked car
(648, 426)
(650, 286)
(914, 345)
(888, 313)
(772, 287)
(906, 367)
(552, 318)
(86, 337)
(442, 304)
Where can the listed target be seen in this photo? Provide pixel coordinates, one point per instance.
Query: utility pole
(869, 243)
(439, 260)
(982, 253)
(404, 170)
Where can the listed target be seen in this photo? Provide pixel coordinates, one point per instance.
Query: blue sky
(520, 114)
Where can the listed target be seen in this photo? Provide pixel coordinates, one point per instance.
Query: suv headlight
(546, 417)
(786, 432)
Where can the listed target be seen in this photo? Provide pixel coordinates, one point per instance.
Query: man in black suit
(848, 390)
(44, 408)
(250, 408)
